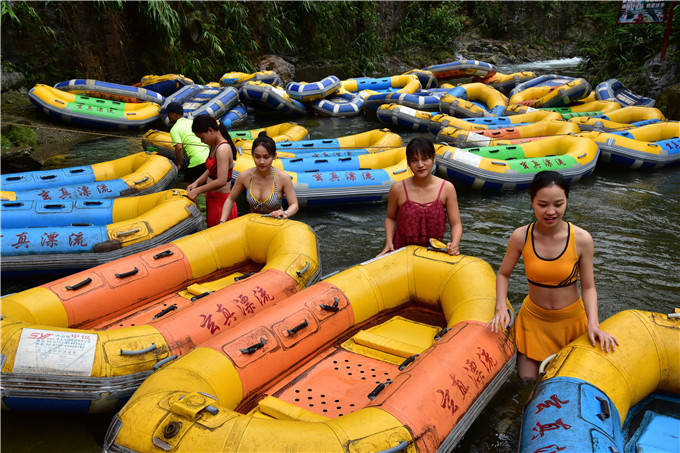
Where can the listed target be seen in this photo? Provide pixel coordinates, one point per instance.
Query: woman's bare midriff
(553, 298)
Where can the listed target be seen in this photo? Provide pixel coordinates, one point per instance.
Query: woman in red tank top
(215, 181)
(418, 207)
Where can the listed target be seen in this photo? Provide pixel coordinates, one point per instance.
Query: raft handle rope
(544, 364)
(292, 331)
(139, 351)
(441, 333)
(79, 285)
(128, 232)
(379, 388)
(198, 296)
(333, 308)
(129, 273)
(303, 270)
(251, 349)
(604, 409)
(397, 448)
(165, 311)
(163, 254)
(407, 362)
(160, 363)
(145, 179)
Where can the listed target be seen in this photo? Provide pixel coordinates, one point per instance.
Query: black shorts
(192, 174)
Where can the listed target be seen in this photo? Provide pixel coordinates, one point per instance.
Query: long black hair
(547, 178)
(204, 122)
(266, 142)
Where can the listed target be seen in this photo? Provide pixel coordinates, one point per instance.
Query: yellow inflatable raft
(442, 120)
(86, 341)
(327, 371)
(160, 141)
(458, 101)
(69, 236)
(650, 146)
(507, 135)
(586, 394)
(89, 111)
(621, 119)
(512, 167)
(137, 174)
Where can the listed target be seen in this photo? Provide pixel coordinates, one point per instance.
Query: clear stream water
(632, 216)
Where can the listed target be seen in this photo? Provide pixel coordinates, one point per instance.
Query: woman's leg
(527, 368)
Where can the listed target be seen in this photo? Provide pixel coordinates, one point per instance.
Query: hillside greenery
(121, 41)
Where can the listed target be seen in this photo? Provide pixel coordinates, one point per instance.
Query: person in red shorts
(215, 181)
(418, 207)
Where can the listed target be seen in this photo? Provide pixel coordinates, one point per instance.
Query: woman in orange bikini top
(556, 255)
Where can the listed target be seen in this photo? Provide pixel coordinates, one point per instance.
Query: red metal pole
(669, 22)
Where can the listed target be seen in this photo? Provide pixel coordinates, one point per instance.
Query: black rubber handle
(333, 307)
(441, 333)
(165, 311)
(255, 347)
(79, 285)
(163, 254)
(127, 274)
(379, 388)
(604, 409)
(297, 328)
(408, 361)
(198, 296)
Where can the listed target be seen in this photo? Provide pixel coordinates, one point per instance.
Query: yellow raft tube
(161, 142)
(507, 135)
(618, 120)
(442, 120)
(191, 405)
(648, 358)
(90, 111)
(125, 318)
(136, 174)
(105, 230)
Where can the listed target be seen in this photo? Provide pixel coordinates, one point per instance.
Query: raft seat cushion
(282, 410)
(393, 341)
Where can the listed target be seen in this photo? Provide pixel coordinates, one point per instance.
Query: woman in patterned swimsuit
(265, 186)
(418, 207)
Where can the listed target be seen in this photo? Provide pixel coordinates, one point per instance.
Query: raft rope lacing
(328, 149)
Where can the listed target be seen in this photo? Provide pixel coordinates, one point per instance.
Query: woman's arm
(501, 319)
(584, 245)
(198, 182)
(391, 218)
(239, 185)
(291, 197)
(224, 163)
(453, 247)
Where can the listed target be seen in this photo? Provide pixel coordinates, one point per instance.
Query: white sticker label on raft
(55, 352)
(467, 158)
(478, 139)
(407, 111)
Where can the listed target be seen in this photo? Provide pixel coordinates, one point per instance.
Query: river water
(632, 216)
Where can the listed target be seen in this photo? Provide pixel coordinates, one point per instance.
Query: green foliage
(430, 25)
(163, 17)
(490, 17)
(619, 51)
(19, 135)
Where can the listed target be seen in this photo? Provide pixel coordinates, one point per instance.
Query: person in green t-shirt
(185, 141)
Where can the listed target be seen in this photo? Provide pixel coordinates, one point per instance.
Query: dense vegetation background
(122, 41)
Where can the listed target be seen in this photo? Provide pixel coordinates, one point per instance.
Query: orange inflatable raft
(390, 355)
(86, 341)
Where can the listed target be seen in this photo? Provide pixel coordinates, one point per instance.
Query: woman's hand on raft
(607, 341)
(501, 318)
(452, 249)
(388, 248)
